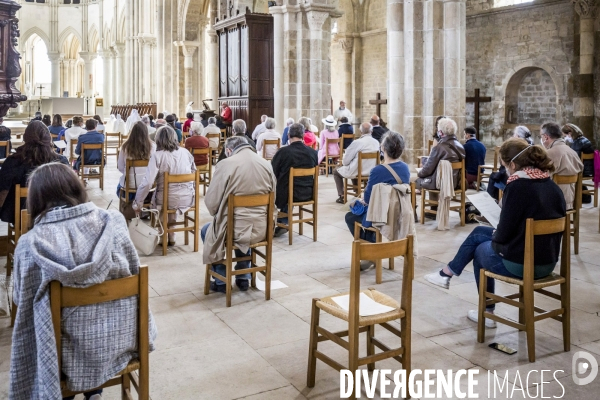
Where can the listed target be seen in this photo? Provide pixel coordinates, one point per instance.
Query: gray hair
(146, 120)
(524, 133)
(196, 128)
(296, 131)
(270, 123)
(366, 128)
(166, 139)
(447, 126)
(263, 118)
(238, 126)
(234, 142)
(393, 144)
(212, 120)
(305, 121)
(290, 121)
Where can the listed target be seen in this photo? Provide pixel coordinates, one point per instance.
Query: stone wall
(536, 98)
(374, 74)
(503, 41)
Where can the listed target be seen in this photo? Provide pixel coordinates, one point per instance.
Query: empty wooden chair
(233, 202)
(270, 143)
(95, 171)
(350, 188)
(589, 181)
(459, 195)
(486, 173)
(524, 299)
(171, 227)
(358, 324)
(573, 215)
(111, 143)
(135, 285)
(204, 170)
(312, 221)
(331, 161)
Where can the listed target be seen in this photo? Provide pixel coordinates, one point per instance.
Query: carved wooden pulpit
(10, 69)
(246, 71)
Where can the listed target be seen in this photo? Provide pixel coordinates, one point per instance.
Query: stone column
(583, 83)
(212, 73)
(108, 78)
(278, 97)
(55, 63)
(395, 59)
(320, 79)
(347, 43)
(120, 72)
(88, 73)
(189, 49)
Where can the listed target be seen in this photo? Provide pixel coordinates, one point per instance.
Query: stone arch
(36, 31)
(512, 93)
(93, 38)
(347, 23)
(372, 11)
(64, 35)
(192, 12)
(120, 33)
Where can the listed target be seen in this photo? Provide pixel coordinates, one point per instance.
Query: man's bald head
(366, 128)
(374, 120)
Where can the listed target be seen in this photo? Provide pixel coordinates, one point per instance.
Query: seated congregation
(69, 253)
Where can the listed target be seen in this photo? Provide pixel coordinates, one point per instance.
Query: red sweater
(226, 114)
(198, 142)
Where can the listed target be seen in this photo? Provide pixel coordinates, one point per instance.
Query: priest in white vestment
(131, 121)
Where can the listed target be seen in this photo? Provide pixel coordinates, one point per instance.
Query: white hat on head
(329, 121)
(314, 129)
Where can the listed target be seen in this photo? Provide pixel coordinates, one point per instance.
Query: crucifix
(478, 100)
(378, 102)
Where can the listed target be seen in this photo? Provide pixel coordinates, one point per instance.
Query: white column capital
(585, 8)
(316, 19)
(54, 56)
(88, 56)
(347, 43)
(119, 49)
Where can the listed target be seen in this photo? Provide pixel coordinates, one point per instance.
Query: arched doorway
(37, 69)
(531, 98)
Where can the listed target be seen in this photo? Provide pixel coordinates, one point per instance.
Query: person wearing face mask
(242, 173)
(529, 193)
(565, 160)
(581, 145)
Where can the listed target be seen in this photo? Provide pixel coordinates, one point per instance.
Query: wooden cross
(41, 87)
(478, 100)
(378, 102)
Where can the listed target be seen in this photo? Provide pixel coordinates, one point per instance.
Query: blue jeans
(220, 268)
(477, 247)
(285, 219)
(351, 218)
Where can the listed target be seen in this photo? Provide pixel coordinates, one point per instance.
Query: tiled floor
(258, 349)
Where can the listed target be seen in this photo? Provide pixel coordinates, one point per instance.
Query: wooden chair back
(129, 187)
(25, 222)
(6, 145)
(270, 142)
(194, 229)
(344, 137)
(135, 285)
(72, 146)
(594, 190)
(111, 143)
(429, 146)
(576, 210)
(366, 156)
(204, 170)
(295, 173)
(100, 175)
(20, 195)
(328, 160)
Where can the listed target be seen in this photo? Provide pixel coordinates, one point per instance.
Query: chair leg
(313, 343)
(301, 225)
(478, 178)
(207, 280)
(125, 386)
(268, 273)
(565, 301)
(186, 233)
(529, 324)
(228, 267)
(423, 194)
(165, 239)
(353, 357)
(596, 197)
(370, 345)
(314, 206)
(576, 231)
(378, 262)
(482, 301)
(391, 263)
(521, 310)
(13, 314)
(290, 224)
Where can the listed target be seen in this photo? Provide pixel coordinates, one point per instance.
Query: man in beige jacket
(243, 172)
(566, 161)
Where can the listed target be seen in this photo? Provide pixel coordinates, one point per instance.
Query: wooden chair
(129, 187)
(295, 173)
(72, 146)
(54, 139)
(135, 285)
(361, 180)
(270, 142)
(6, 145)
(425, 202)
(100, 167)
(357, 324)
(486, 175)
(25, 221)
(15, 231)
(330, 161)
(344, 137)
(204, 170)
(589, 181)
(110, 143)
(215, 151)
(233, 202)
(223, 136)
(172, 227)
(378, 239)
(528, 286)
(429, 147)
(574, 214)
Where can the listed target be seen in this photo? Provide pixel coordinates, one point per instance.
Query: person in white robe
(131, 121)
(119, 126)
(110, 125)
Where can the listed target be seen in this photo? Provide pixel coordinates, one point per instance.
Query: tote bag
(145, 238)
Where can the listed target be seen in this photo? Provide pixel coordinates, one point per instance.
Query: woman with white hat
(330, 132)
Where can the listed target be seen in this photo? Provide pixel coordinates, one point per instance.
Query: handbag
(145, 238)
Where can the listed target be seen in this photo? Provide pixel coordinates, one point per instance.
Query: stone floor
(258, 349)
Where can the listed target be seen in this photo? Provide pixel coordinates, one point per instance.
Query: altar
(66, 106)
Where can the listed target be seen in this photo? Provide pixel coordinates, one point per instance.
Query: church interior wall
(502, 41)
(374, 68)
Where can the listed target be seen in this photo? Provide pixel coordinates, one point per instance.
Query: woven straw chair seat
(133, 365)
(551, 280)
(328, 305)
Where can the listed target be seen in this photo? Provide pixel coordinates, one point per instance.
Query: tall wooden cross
(378, 102)
(41, 87)
(478, 100)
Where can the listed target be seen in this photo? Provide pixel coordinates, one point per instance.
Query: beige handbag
(145, 238)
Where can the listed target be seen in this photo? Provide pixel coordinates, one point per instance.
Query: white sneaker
(96, 397)
(366, 265)
(473, 316)
(438, 280)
